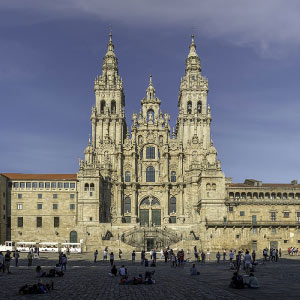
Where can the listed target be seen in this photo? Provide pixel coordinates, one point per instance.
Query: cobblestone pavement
(85, 279)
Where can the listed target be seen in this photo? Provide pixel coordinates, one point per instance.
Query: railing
(217, 223)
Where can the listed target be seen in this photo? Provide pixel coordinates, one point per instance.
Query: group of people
(292, 251)
(273, 255)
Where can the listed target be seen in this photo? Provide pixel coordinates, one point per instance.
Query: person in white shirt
(247, 262)
(123, 272)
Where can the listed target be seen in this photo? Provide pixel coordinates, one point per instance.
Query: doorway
(150, 244)
(274, 244)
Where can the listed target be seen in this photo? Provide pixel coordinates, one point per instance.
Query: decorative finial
(192, 36)
(89, 139)
(150, 81)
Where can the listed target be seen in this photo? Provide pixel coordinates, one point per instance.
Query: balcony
(249, 224)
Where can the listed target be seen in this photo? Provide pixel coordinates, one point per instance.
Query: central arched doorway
(150, 212)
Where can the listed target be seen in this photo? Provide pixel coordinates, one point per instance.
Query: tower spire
(150, 90)
(110, 45)
(192, 48)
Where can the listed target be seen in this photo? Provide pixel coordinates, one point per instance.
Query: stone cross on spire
(150, 90)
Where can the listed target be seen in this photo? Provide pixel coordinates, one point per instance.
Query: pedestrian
(111, 258)
(133, 256)
(238, 259)
(247, 262)
(202, 257)
(29, 258)
(231, 255)
(1, 262)
(16, 256)
(218, 255)
(208, 254)
(279, 252)
(253, 256)
(95, 255)
(143, 255)
(7, 260)
(154, 255)
(224, 254)
(151, 253)
(105, 254)
(120, 254)
(64, 261)
(162, 254)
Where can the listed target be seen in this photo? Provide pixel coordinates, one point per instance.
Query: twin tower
(149, 177)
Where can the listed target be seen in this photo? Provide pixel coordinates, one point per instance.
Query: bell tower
(194, 115)
(108, 118)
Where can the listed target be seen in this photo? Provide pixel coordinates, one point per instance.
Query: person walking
(133, 256)
(143, 255)
(224, 254)
(16, 256)
(120, 254)
(29, 258)
(202, 257)
(7, 260)
(95, 255)
(64, 261)
(105, 254)
(154, 255)
(1, 262)
(218, 255)
(111, 258)
(231, 255)
(253, 256)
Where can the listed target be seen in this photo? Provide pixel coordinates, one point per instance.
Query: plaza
(85, 279)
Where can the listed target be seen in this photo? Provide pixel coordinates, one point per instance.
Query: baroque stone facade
(149, 187)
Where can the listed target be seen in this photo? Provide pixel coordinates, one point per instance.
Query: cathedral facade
(147, 187)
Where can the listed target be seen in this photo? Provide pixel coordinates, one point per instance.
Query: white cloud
(269, 26)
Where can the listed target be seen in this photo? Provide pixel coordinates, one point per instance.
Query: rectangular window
(41, 185)
(3, 194)
(66, 185)
(285, 241)
(254, 230)
(20, 221)
(55, 205)
(34, 185)
(298, 217)
(53, 185)
(173, 219)
(91, 218)
(39, 206)
(39, 222)
(286, 214)
(47, 185)
(54, 196)
(237, 236)
(224, 219)
(72, 185)
(59, 185)
(72, 196)
(72, 206)
(16, 185)
(19, 196)
(273, 230)
(91, 194)
(273, 216)
(22, 185)
(20, 206)
(230, 209)
(150, 153)
(40, 196)
(254, 219)
(28, 185)
(56, 221)
(242, 213)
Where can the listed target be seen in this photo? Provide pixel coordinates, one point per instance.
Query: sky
(51, 51)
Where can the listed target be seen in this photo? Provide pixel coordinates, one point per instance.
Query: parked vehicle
(8, 245)
(73, 247)
(48, 247)
(26, 246)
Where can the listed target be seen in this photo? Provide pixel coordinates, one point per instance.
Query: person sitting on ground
(58, 270)
(39, 272)
(193, 270)
(253, 282)
(236, 281)
(113, 271)
(39, 288)
(138, 279)
(123, 272)
(148, 277)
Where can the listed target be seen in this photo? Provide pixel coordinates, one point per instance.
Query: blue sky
(50, 53)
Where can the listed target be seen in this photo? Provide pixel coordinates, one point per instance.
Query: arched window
(86, 187)
(127, 176)
(189, 107)
(127, 205)
(145, 201)
(150, 153)
(92, 187)
(213, 187)
(173, 176)
(208, 187)
(172, 207)
(150, 115)
(73, 236)
(113, 107)
(199, 107)
(155, 201)
(102, 107)
(150, 174)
